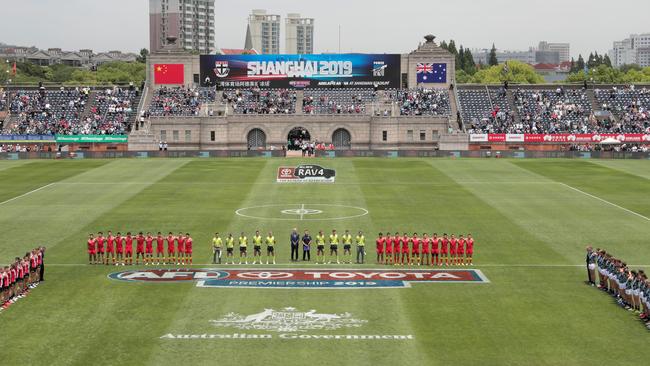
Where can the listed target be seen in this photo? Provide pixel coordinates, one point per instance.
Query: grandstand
(631, 106)
(337, 101)
(70, 111)
(260, 101)
(415, 116)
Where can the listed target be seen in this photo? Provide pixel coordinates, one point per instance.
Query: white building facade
(191, 22)
(299, 35)
(632, 50)
(264, 31)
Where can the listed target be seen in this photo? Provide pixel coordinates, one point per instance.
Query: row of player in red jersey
(425, 250)
(118, 249)
(22, 275)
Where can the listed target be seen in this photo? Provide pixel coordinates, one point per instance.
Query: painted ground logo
(166, 275)
(306, 174)
(289, 320)
(305, 279)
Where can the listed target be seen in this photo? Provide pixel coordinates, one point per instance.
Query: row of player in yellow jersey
(427, 250)
(296, 240)
(118, 249)
(243, 243)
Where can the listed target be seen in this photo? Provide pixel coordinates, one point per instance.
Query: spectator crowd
(43, 112)
(167, 102)
(555, 111)
(70, 111)
(260, 101)
(422, 102)
(337, 101)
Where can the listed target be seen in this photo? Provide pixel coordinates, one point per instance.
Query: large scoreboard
(301, 71)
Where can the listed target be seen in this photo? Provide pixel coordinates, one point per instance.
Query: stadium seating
(422, 102)
(260, 101)
(112, 112)
(178, 102)
(476, 104)
(630, 106)
(207, 95)
(78, 111)
(552, 111)
(337, 101)
(46, 112)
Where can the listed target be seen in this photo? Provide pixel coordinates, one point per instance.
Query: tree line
(110, 73)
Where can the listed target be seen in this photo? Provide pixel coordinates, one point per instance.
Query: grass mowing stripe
(26, 194)
(8, 164)
(638, 168)
(606, 201)
(196, 306)
(99, 304)
(110, 302)
(598, 180)
(535, 309)
(94, 203)
(22, 178)
(443, 210)
(554, 214)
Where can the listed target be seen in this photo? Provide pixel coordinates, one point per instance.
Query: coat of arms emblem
(288, 320)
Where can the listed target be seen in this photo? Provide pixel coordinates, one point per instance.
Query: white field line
(333, 185)
(606, 201)
(27, 194)
(302, 211)
(337, 267)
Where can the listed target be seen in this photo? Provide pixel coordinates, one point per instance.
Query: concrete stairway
(89, 105)
(513, 106)
(300, 95)
(592, 99)
(453, 105)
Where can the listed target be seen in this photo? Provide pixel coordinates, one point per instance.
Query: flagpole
(339, 38)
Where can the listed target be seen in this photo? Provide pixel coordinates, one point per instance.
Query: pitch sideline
(605, 201)
(28, 193)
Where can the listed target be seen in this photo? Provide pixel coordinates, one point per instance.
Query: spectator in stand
(46, 112)
(178, 101)
(261, 101)
(337, 101)
(423, 102)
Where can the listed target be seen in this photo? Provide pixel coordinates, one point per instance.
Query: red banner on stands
(561, 138)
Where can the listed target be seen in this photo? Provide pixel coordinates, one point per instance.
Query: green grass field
(531, 220)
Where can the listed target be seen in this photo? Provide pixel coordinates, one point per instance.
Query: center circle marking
(301, 212)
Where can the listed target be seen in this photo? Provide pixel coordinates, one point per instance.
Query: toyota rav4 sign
(306, 174)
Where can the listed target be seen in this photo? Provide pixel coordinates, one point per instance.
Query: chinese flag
(169, 73)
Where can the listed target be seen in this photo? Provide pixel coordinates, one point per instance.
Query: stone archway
(256, 139)
(296, 136)
(341, 139)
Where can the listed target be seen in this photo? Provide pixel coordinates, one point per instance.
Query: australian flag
(431, 73)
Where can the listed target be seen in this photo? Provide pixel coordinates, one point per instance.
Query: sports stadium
(323, 209)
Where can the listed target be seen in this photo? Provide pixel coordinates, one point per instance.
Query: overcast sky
(379, 26)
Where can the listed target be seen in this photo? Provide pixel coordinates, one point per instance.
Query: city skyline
(509, 27)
